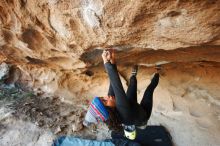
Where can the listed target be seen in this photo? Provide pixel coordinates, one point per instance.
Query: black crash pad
(151, 136)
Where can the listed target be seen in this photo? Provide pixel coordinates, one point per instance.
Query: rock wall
(54, 48)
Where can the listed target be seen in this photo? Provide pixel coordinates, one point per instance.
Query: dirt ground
(36, 120)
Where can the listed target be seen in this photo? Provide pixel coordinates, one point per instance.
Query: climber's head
(108, 101)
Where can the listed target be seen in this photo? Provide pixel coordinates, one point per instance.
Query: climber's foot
(134, 70)
(158, 68)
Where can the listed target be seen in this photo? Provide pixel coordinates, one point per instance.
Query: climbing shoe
(134, 70)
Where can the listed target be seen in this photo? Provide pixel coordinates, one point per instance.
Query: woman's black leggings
(125, 101)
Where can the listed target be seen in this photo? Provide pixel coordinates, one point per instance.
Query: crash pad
(151, 136)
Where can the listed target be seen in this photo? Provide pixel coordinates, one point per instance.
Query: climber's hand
(112, 55)
(106, 56)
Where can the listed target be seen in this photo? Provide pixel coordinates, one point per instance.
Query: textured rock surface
(54, 47)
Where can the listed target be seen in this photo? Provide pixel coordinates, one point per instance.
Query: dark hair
(114, 121)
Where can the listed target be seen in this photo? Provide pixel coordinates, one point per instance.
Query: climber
(132, 114)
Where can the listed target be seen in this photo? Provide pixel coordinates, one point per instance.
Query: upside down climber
(133, 116)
